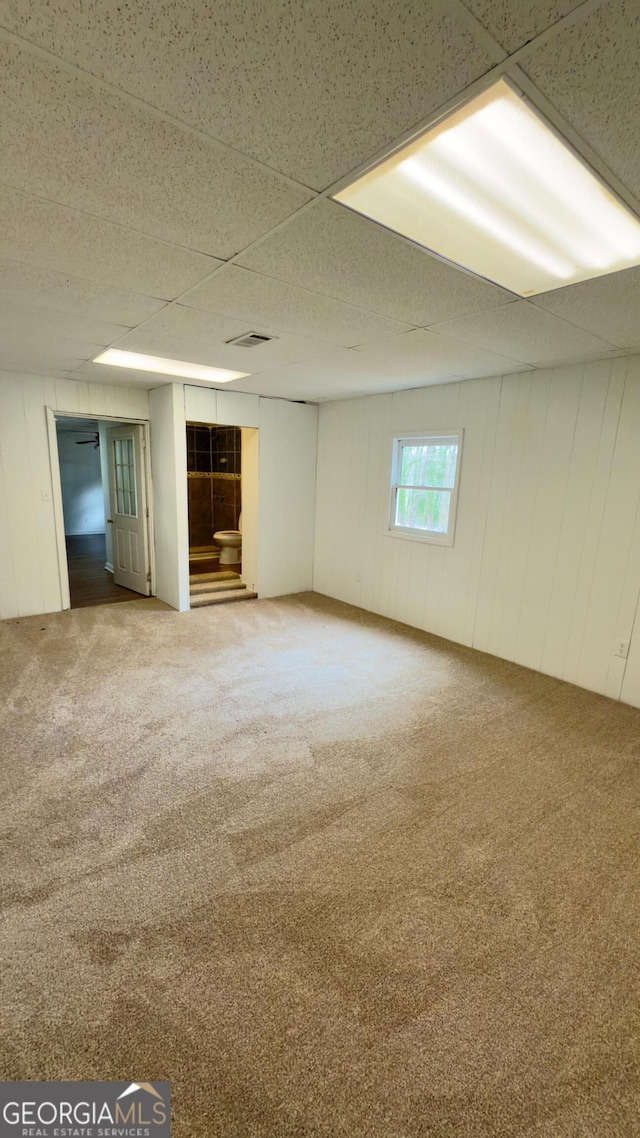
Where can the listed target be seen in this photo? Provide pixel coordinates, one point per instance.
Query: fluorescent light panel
(163, 366)
(493, 189)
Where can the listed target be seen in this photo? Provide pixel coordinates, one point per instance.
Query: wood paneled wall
(545, 568)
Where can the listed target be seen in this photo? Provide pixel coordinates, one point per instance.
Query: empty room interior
(320, 566)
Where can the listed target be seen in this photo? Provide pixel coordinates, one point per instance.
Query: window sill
(423, 539)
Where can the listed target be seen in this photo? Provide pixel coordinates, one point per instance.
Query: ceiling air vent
(250, 340)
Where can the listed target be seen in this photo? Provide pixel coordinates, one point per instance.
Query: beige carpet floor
(329, 875)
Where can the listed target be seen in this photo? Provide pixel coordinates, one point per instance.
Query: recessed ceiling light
(494, 189)
(164, 366)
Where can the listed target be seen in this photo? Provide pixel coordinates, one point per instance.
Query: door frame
(53, 414)
(249, 494)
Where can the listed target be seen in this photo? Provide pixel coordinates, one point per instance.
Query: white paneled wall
(545, 569)
(250, 498)
(285, 456)
(169, 494)
(278, 482)
(286, 503)
(81, 479)
(233, 408)
(29, 568)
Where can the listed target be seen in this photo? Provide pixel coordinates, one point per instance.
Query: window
(424, 486)
(125, 477)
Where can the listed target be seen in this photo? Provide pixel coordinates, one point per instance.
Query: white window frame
(424, 438)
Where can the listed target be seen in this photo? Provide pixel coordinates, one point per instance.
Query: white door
(128, 508)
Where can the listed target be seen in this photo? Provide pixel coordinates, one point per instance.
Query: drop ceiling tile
(199, 337)
(280, 388)
(310, 89)
(292, 382)
(39, 359)
(333, 251)
(294, 385)
(607, 307)
(566, 361)
(419, 348)
(59, 292)
(515, 22)
(42, 326)
(590, 72)
(50, 236)
(71, 141)
(281, 307)
(89, 372)
(345, 372)
(51, 372)
(525, 333)
(176, 323)
(40, 339)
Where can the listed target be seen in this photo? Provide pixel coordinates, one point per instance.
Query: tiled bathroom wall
(213, 449)
(213, 466)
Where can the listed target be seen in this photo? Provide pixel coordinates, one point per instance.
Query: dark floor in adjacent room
(89, 582)
(330, 876)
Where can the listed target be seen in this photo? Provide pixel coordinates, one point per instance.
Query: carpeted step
(222, 597)
(215, 586)
(227, 575)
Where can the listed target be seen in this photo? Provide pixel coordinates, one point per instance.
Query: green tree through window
(424, 485)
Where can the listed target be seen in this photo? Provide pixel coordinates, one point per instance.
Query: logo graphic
(85, 1110)
(140, 1087)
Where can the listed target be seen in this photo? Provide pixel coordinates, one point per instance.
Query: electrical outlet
(621, 649)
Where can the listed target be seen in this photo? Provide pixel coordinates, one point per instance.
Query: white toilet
(230, 542)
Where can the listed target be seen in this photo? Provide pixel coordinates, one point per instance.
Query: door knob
(110, 521)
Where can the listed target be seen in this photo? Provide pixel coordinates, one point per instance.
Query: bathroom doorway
(222, 561)
(214, 484)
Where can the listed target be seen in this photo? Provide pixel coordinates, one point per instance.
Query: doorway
(214, 486)
(104, 517)
(221, 512)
